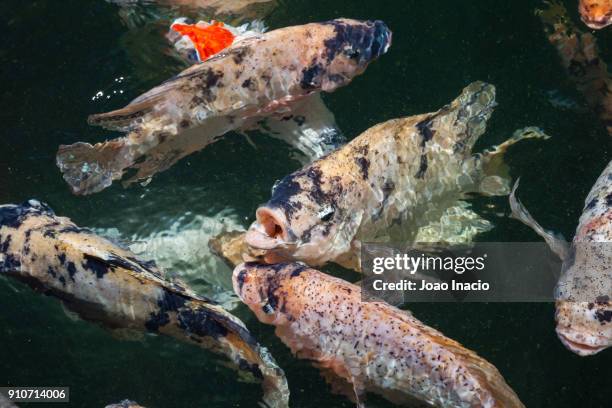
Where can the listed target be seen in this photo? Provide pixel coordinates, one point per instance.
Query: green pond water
(55, 56)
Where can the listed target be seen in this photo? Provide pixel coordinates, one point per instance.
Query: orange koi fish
(208, 39)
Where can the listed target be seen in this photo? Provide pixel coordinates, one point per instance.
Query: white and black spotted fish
(386, 183)
(263, 81)
(107, 284)
(368, 346)
(584, 291)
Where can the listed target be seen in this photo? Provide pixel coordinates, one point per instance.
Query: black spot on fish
(71, 268)
(241, 278)
(201, 322)
(96, 265)
(364, 166)
(427, 133)
(51, 271)
(62, 258)
(282, 195)
(602, 300)
(62, 280)
(604, 316)
(169, 302)
(250, 84)
(10, 264)
(298, 270)
(311, 76)
(252, 368)
(609, 200)
(422, 166)
(299, 119)
(239, 54)
(591, 204)
(4, 246)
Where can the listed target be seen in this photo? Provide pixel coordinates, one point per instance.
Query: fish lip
(580, 348)
(597, 23)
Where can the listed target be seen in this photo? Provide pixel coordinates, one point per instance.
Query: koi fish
(125, 404)
(596, 14)
(196, 42)
(580, 58)
(386, 183)
(584, 292)
(266, 81)
(367, 346)
(109, 285)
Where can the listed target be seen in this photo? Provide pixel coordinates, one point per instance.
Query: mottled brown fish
(580, 58)
(109, 285)
(596, 14)
(367, 346)
(584, 291)
(276, 77)
(383, 185)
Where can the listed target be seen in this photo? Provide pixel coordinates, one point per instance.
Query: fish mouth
(270, 233)
(597, 23)
(583, 345)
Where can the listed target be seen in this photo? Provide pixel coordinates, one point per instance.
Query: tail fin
(89, 169)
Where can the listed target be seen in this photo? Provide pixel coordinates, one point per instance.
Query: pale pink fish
(367, 346)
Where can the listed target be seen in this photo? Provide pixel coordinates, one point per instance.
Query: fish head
(596, 14)
(348, 49)
(305, 220)
(585, 328)
(257, 285)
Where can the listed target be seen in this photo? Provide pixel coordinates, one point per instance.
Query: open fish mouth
(270, 233)
(582, 344)
(598, 23)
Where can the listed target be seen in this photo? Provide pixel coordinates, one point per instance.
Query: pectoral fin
(309, 127)
(556, 242)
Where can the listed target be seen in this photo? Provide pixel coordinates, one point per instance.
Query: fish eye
(326, 214)
(268, 309)
(351, 53)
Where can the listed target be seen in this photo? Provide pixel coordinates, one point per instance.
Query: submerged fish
(106, 284)
(196, 42)
(383, 185)
(136, 13)
(580, 58)
(125, 404)
(278, 74)
(584, 291)
(367, 346)
(596, 14)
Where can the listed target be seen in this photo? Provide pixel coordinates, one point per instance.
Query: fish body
(596, 14)
(249, 81)
(367, 346)
(580, 57)
(109, 285)
(584, 292)
(383, 185)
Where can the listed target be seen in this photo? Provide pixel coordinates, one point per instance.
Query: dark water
(56, 55)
